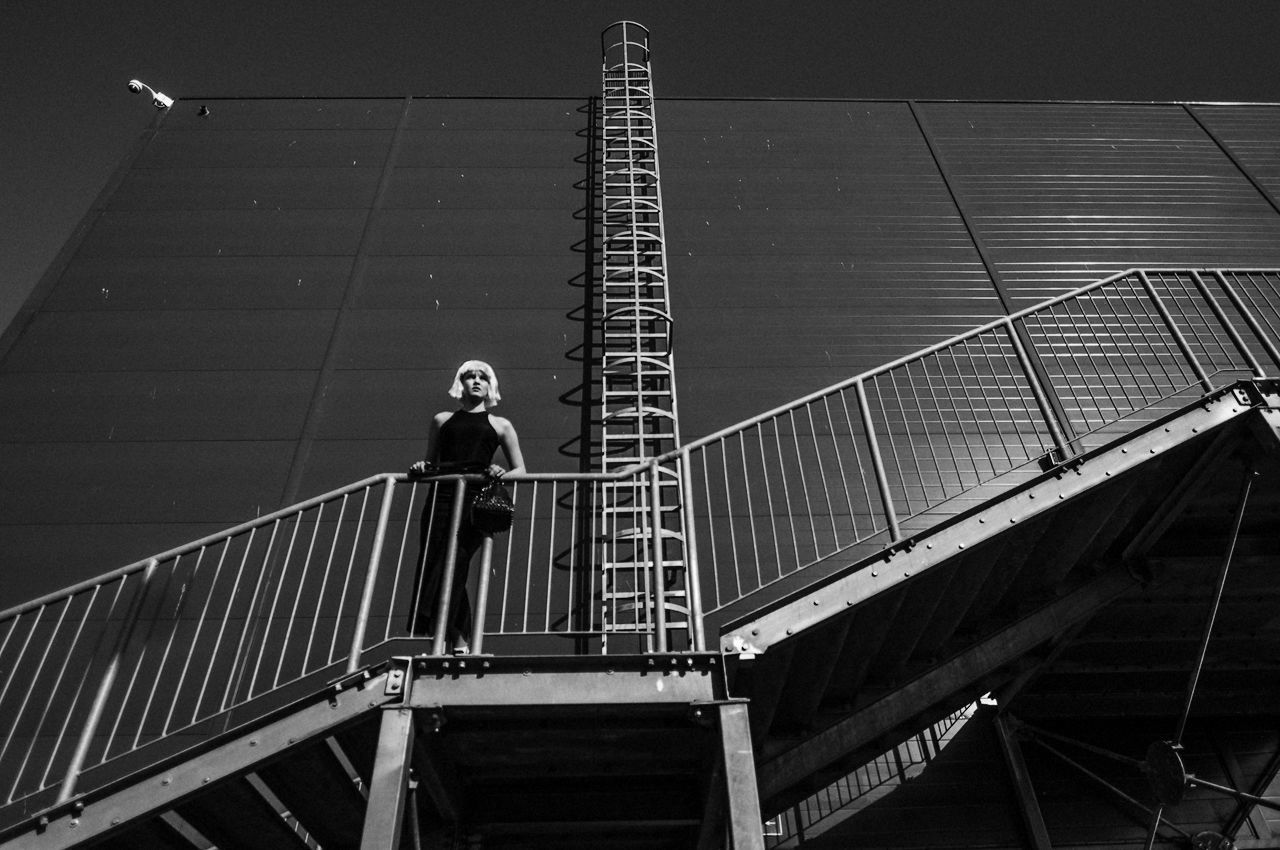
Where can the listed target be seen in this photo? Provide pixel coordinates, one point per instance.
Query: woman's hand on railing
(422, 467)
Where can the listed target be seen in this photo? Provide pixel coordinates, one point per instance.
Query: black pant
(433, 551)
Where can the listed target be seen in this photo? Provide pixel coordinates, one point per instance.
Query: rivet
(1013, 519)
(1124, 451)
(166, 781)
(253, 742)
(204, 781)
(874, 573)
(980, 519)
(815, 602)
(789, 631)
(961, 545)
(928, 545)
(755, 631)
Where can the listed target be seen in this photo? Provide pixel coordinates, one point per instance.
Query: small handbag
(491, 508)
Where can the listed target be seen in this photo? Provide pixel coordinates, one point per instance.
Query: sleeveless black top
(467, 440)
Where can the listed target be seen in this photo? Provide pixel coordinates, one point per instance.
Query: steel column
(389, 788)
(1028, 805)
(743, 798)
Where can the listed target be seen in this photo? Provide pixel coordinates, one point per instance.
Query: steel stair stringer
(219, 762)
(865, 708)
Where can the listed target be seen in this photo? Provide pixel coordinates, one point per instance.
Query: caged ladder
(638, 393)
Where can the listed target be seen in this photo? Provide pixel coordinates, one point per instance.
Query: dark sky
(68, 119)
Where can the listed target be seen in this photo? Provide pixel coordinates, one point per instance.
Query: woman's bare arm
(510, 447)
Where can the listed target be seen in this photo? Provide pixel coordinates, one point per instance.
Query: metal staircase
(229, 673)
(638, 392)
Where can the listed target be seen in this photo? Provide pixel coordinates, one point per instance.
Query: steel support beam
(905, 561)
(389, 790)
(647, 680)
(112, 810)
(741, 794)
(1028, 805)
(884, 715)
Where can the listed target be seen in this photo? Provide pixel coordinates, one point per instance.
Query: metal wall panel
(275, 297)
(246, 188)
(1064, 194)
(293, 114)
(201, 283)
(131, 406)
(1249, 133)
(808, 241)
(145, 340)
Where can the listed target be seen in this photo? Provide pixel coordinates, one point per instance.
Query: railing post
(451, 555)
(370, 576)
(1181, 340)
(882, 478)
(1221, 315)
(68, 789)
(693, 579)
(1037, 390)
(482, 595)
(1254, 325)
(656, 548)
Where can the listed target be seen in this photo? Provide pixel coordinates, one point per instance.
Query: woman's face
(475, 384)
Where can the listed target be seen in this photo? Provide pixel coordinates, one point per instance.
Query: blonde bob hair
(476, 366)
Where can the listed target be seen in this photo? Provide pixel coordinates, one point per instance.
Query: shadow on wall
(586, 445)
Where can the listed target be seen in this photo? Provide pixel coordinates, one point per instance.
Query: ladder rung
(630, 534)
(642, 565)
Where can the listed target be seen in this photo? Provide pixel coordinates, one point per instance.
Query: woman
(462, 440)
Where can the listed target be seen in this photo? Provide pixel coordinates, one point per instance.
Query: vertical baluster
(882, 480)
(1178, 337)
(96, 711)
(1245, 313)
(370, 576)
(451, 555)
(1042, 402)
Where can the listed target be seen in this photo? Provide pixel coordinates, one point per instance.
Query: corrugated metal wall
(273, 298)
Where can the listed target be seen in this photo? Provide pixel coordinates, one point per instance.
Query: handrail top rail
(619, 475)
(1006, 321)
(267, 519)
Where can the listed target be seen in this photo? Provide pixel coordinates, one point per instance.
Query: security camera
(158, 99)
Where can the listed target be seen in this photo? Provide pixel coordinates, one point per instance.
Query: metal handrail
(182, 641)
(840, 470)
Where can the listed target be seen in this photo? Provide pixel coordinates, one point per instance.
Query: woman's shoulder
(500, 423)
(443, 416)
